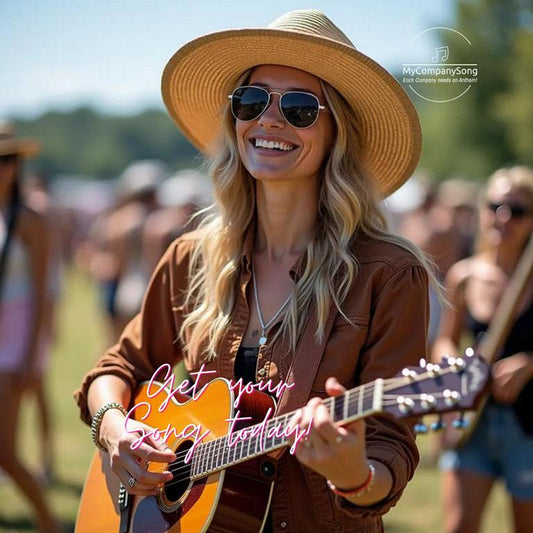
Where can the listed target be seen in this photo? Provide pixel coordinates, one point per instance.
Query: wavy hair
(348, 207)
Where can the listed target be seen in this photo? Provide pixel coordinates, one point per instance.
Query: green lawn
(80, 339)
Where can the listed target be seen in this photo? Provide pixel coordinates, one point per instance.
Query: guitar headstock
(456, 384)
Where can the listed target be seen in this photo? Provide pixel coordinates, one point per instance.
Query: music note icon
(441, 54)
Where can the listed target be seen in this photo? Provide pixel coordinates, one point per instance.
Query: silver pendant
(262, 340)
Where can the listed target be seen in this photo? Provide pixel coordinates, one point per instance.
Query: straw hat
(198, 78)
(10, 144)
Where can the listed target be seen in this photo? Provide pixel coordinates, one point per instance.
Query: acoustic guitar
(223, 480)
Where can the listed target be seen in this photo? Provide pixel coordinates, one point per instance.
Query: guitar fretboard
(271, 434)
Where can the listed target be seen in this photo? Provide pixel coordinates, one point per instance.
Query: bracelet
(365, 487)
(97, 421)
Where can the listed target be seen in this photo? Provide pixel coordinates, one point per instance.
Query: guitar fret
(346, 405)
(361, 399)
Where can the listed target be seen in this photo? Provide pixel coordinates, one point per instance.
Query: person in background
(181, 197)
(306, 135)
(501, 444)
(36, 197)
(24, 313)
(117, 260)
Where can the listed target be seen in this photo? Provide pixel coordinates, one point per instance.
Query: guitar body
(234, 500)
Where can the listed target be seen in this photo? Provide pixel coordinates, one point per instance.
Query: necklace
(264, 327)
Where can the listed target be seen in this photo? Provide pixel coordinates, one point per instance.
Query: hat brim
(24, 147)
(200, 75)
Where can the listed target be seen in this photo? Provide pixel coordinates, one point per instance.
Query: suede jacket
(387, 308)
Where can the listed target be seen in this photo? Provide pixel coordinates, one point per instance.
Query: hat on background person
(10, 144)
(201, 74)
(141, 177)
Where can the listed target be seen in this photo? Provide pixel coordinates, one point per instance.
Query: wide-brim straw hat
(198, 78)
(10, 144)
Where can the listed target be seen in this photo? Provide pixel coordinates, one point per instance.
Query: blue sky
(58, 54)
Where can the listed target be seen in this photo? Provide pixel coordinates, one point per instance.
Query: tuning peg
(469, 352)
(420, 427)
(460, 423)
(422, 363)
(438, 424)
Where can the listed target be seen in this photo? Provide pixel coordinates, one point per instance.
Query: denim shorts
(497, 448)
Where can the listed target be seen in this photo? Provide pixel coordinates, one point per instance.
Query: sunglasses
(516, 211)
(8, 158)
(298, 108)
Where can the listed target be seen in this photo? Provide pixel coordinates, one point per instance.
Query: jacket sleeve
(396, 338)
(151, 338)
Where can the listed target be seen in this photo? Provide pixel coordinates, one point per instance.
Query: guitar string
(187, 467)
(352, 399)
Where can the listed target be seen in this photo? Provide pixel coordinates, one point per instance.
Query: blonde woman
(501, 445)
(304, 135)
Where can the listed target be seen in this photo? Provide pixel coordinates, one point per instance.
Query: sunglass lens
(299, 109)
(247, 103)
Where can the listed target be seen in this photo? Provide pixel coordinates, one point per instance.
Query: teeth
(273, 145)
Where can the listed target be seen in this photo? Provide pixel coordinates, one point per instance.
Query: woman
(24, 311)
(297, 233)
(501, 444)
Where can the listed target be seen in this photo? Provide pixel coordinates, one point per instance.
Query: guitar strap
(304, 365)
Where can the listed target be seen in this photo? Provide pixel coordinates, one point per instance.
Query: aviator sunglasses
(516, 211)
(299, 109)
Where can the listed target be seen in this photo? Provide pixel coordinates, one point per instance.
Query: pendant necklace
(264, 327)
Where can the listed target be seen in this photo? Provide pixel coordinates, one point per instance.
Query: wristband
(97, 422)
(361, 489)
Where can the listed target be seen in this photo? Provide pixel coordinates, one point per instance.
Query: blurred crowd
(116, 233)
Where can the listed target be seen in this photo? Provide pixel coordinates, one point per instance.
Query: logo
(437, 70)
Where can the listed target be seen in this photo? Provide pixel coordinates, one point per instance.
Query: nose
(272, 115)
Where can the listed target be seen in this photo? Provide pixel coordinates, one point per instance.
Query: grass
(80, 339)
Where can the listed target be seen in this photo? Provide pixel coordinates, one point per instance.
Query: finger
(333, 387)
(149, 453)
(133, 485)
(323, 426)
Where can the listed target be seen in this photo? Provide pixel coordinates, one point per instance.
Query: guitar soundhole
(176, 488)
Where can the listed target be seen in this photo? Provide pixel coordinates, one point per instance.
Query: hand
(510, 376)
(337, 453)
(131, 464)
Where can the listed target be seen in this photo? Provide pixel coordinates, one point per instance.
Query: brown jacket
(389, 310)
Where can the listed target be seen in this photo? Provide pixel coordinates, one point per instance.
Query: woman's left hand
(337, 453)
(510, 376)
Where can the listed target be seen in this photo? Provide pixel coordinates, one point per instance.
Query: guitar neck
(259, 439)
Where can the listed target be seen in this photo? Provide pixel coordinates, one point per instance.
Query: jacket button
(283, 524)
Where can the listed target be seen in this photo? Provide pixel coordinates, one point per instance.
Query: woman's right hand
(131, 463)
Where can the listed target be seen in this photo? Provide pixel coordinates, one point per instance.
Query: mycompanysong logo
(433, 73)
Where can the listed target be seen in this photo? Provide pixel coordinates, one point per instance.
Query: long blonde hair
(348, 207)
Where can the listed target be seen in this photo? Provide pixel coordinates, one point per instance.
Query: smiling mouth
(273, 145)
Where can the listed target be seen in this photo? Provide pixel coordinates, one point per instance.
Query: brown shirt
(388, 307)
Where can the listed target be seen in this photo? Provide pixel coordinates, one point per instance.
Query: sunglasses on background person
(8, 158)
(516, 211)
(299, 109)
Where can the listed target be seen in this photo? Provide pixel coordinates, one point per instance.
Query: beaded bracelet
(97, 421)
(365, 487)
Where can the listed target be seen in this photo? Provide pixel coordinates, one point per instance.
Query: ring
(338, 439)
(132, 481)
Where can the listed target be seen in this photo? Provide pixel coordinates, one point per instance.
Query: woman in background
(24, 312)
(501, 445)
